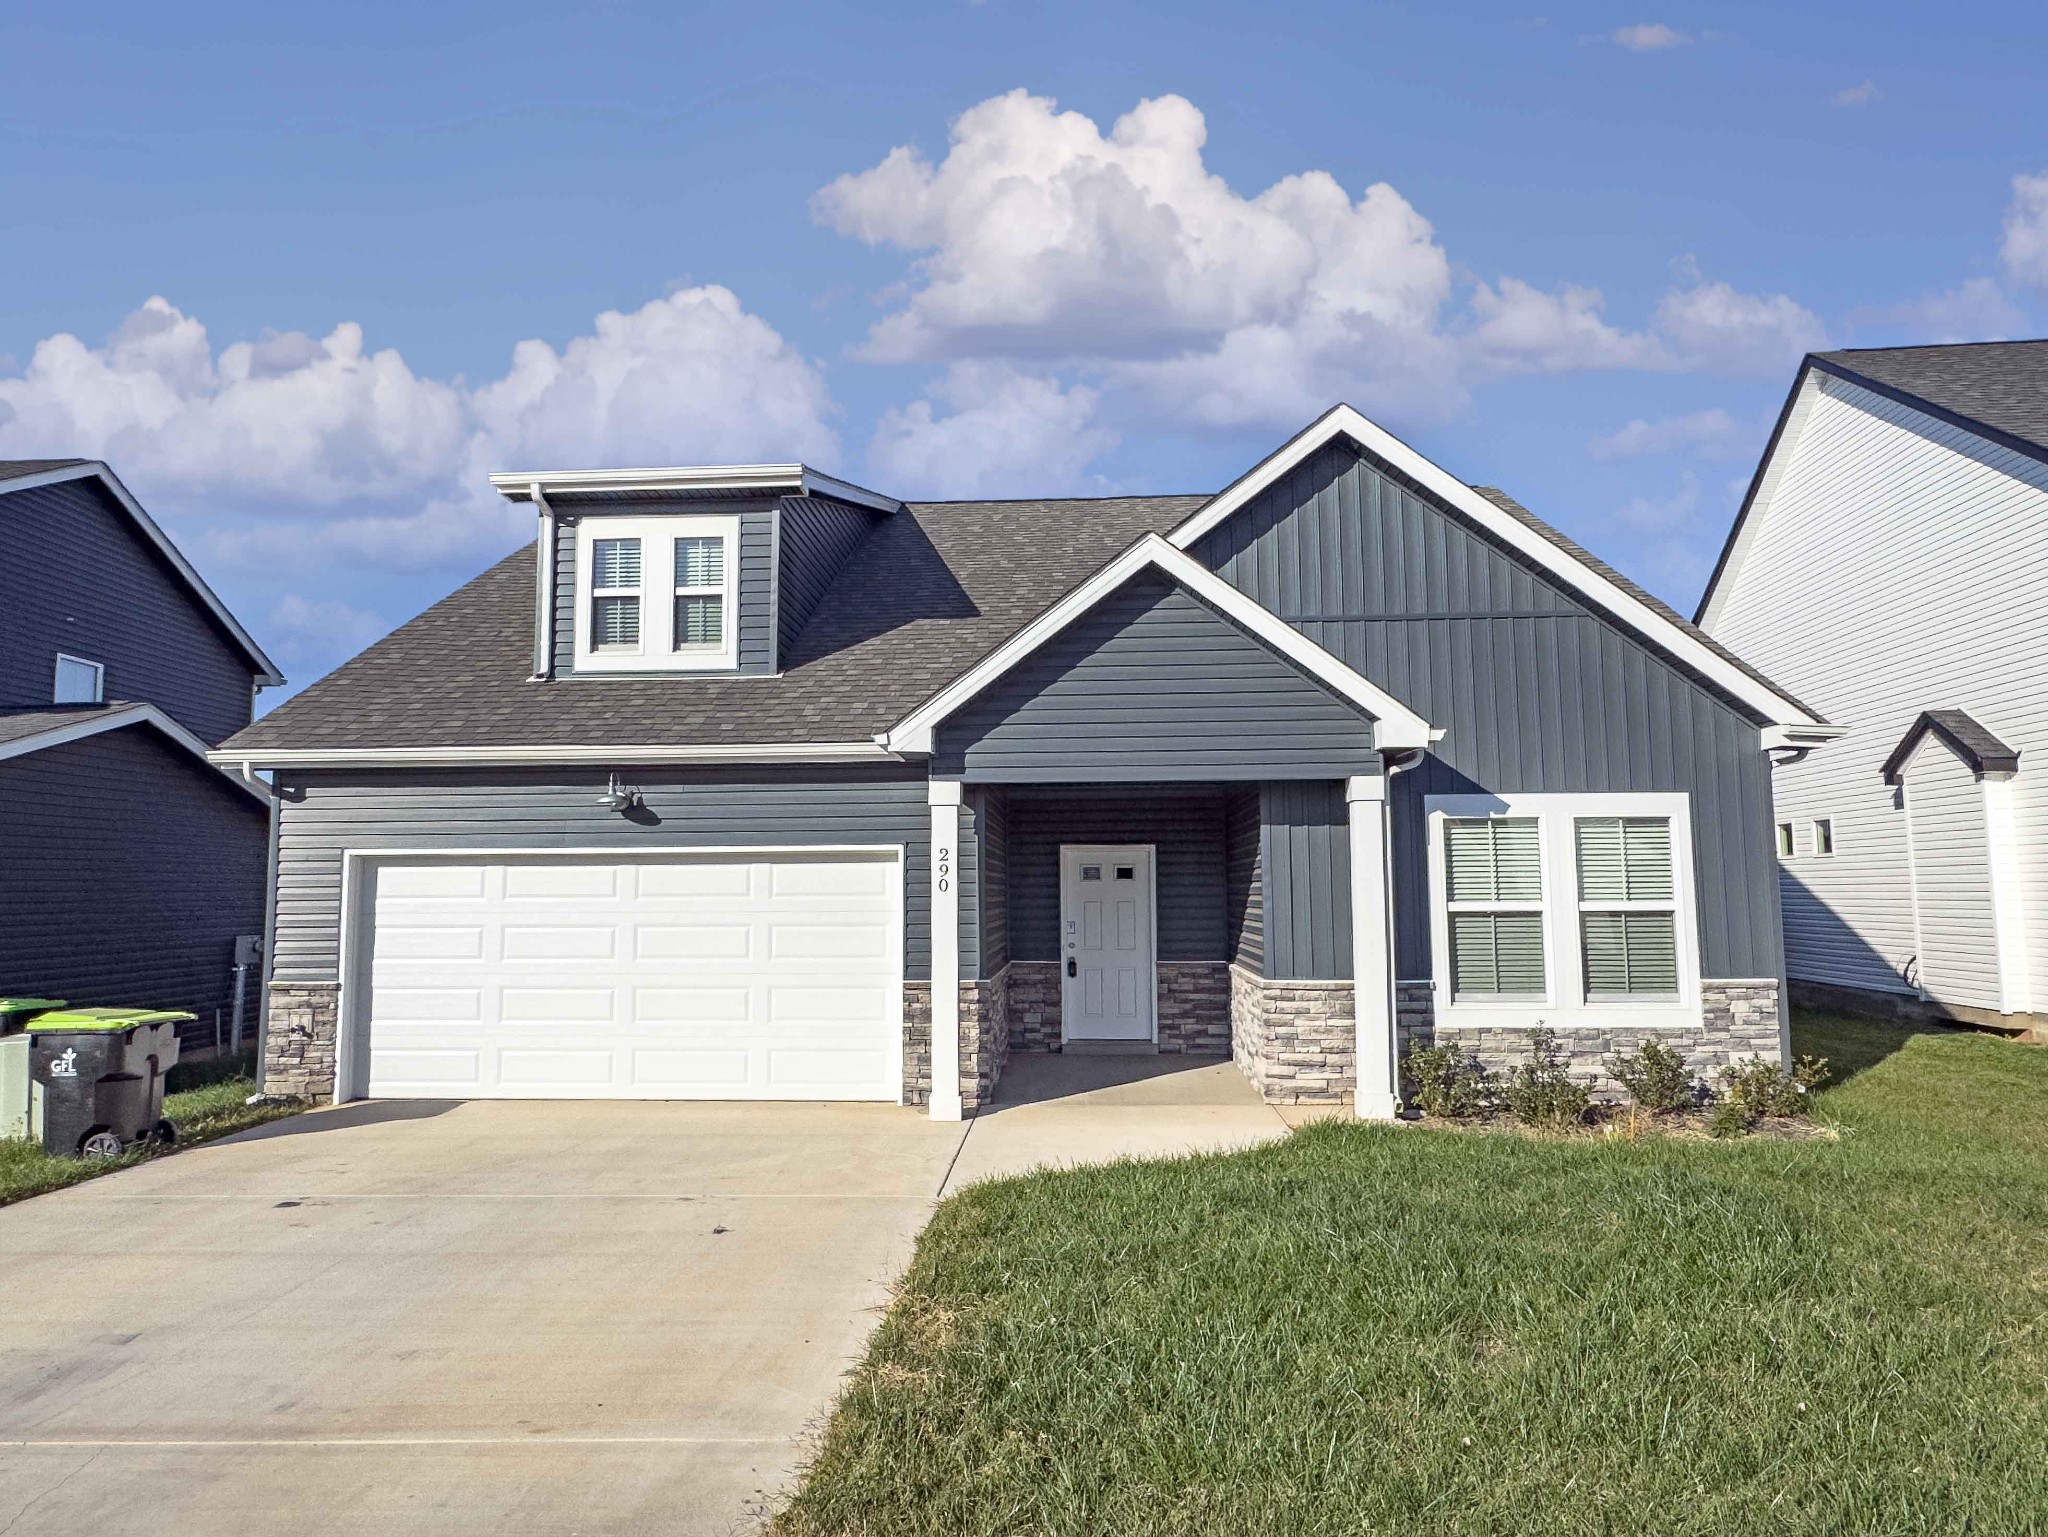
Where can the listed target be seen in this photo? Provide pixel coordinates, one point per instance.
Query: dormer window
(78, 681)
(656, 594)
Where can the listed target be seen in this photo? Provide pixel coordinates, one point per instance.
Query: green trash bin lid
(80, 1020)
(15, 1012)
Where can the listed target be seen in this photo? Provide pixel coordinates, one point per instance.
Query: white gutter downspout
(1378, 1095)
(544, 591)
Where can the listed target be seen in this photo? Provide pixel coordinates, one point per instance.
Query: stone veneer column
(946, 1103)
(1372, 946)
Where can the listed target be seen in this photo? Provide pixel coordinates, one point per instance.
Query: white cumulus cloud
(2025, 247)
(1711, 434)
(1650, 37)
(1042, 241)
(1003, 432)
(1856, 95)
(292, 450)
(1977, 311)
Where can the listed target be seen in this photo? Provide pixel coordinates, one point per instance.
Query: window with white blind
(656, 593)
(1563, 909)
(1628, 907)
(1493, 871)
(78, 681)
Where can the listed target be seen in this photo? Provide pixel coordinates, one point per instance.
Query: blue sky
(989, 248)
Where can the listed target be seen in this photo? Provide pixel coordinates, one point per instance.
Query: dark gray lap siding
(127, 868)
(478, 811)
(1536, 691)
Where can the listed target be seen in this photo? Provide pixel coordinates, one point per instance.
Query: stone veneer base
(299, 1043)
(1739, 1019)
(984, 1040)
(1295, 1040)
(1193, 1000)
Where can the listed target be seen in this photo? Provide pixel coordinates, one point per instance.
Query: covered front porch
(1242, 920)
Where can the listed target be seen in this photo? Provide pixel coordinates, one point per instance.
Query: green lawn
(207, 1102)
(1395, 1330)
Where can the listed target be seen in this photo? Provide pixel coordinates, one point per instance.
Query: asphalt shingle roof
(16, 469)
(926, 595)
(1973, 741)
(2000, 385)
(22, 724)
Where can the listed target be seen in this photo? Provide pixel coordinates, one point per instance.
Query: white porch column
(945, 862)
(1372, 946)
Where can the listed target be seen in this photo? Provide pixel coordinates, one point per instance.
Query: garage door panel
(753, 976)
(577, 942)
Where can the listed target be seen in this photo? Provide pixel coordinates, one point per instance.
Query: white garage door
(763, 976)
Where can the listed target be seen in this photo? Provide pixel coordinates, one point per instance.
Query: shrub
(1540, 1092)
(1444, 1081)
(1727, 1120)
(1759, 1088)
(1656, 1078)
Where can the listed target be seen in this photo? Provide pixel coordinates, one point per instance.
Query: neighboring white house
(1890, 567)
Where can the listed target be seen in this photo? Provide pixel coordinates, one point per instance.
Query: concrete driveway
(490, 1316)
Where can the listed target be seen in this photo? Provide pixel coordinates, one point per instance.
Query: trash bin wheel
(164, 1132)
(100, 1143)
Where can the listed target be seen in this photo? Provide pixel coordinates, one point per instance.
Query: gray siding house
(129, 865)
(749, 783)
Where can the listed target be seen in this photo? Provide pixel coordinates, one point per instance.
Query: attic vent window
(656, 593)
(79, 681)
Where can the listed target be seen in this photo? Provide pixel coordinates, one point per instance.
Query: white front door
(1106, 942)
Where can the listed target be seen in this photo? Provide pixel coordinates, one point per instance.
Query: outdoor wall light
(619, 796)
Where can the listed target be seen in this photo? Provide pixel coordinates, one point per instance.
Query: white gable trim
(1394, 724)
(117, 719)
(267, 673)
(1345, 422)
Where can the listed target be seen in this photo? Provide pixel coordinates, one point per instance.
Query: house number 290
(942, 870)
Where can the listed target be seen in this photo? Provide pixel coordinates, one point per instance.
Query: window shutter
(615, 563)
(1497, 953)
(1624, 859)
(1630, 952)
(700, 562)
(700, 620)
(1493, 859)
(615, 622)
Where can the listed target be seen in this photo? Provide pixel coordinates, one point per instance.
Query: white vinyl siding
(1951, 851)
(1897, 564)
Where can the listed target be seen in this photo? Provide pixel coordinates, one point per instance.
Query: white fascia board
(1344, 421)
(267, 673)
(742, 479)
(1394, 724)
(627, 755)
(1802, 736)
(116, 720)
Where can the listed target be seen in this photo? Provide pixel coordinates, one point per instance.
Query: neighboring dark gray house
(128, 863)
(748, 783)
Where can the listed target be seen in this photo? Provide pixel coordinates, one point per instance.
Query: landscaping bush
(1444, 1081)
(1727, 1120)
(1540, 1091)
(1759, 1088)
(1656, 1078)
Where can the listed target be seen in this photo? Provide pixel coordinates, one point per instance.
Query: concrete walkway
(500, 1317)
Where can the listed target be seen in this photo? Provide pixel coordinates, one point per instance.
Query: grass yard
(1368, 1329)
(205, 1101)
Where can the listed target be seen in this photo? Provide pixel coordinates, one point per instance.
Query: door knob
(1073, 970)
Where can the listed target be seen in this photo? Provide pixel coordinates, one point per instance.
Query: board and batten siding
(1899, 564)
(1950, 852)
(1152, 685)
(757, 653)
(1185, 825)
(127, 869)
(1536, 690)
(77, 576)
(473, 811)
(1305, 867)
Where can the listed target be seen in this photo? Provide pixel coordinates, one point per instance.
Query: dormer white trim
(1394, 724)
(1673, 638)
(739, 479)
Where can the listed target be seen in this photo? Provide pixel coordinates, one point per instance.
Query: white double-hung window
(657, 594)
(1563, 909)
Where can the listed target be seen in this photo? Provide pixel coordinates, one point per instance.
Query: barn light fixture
(619, 796)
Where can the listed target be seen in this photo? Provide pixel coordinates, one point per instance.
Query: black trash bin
(98, 1077)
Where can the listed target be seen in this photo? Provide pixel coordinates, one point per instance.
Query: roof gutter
(249, 759)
